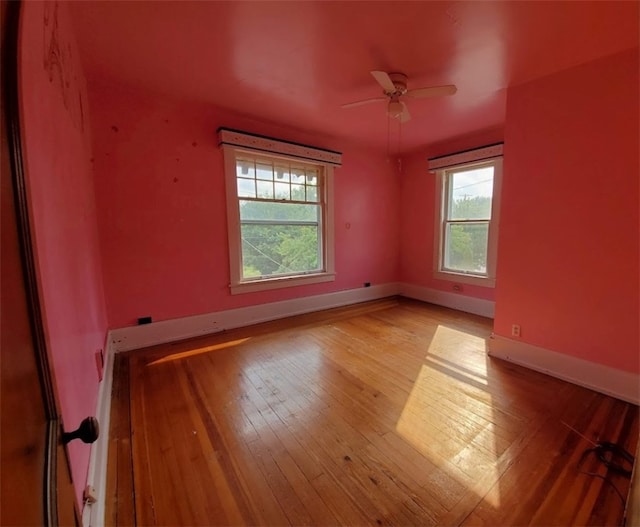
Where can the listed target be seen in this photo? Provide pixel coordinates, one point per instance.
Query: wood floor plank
(231, 427)
(384, 413)
(120, 508)
(294, 462)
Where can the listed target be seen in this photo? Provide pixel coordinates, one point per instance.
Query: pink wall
(417, 215)
(568, 255)
(162, 216)
(56, 138)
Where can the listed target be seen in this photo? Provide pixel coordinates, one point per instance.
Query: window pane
(265, 189)
(245, 168)
(269, 250)
(312, 194)
(465, 247)
(312, 176)
(282, 173)
(277, 211)
(297, 192)
(282, 190)
(246, 188)
(264, 171)
(297, 174)
(470, 193)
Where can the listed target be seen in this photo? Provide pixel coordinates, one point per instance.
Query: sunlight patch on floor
(436, 363)
(446, 433)
(198, 351)
(448, 343)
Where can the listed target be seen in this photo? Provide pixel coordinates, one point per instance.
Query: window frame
(442, 207)
(240, 285)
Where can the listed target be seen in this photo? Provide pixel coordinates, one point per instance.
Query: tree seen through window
(467, 221)
(280, 218)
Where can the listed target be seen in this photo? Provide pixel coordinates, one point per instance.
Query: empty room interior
(334, 263)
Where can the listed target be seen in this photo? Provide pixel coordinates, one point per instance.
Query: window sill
(280, 283)
(464, 278)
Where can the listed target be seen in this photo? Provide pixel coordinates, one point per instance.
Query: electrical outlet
(515, 330)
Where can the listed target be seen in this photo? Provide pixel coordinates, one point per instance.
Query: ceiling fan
(394, 86)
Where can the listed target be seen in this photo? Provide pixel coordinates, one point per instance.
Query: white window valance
(227, 136)
(467, 156)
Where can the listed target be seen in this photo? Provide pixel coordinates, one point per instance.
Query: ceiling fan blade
(384, 80)
(405, 115)
(433, 91)
(360, 103)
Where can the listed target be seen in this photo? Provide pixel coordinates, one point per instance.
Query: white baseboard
(604, 379)
(134, 337)
(94, 515)
(468, 304)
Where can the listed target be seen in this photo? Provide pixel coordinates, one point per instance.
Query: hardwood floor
(386, 413)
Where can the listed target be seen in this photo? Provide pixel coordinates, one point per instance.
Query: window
(466, 230)
(280, 220)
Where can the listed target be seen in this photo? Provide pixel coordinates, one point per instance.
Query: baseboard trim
(468, 304)
(94, 514)
(604, 379)
(135, 337)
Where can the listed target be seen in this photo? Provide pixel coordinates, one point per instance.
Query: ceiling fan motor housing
(400, 82)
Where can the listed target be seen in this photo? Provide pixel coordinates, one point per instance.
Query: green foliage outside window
(273, 248)
(467, 242)
(279, 249)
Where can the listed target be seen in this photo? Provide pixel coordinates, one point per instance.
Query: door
(35, 481)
